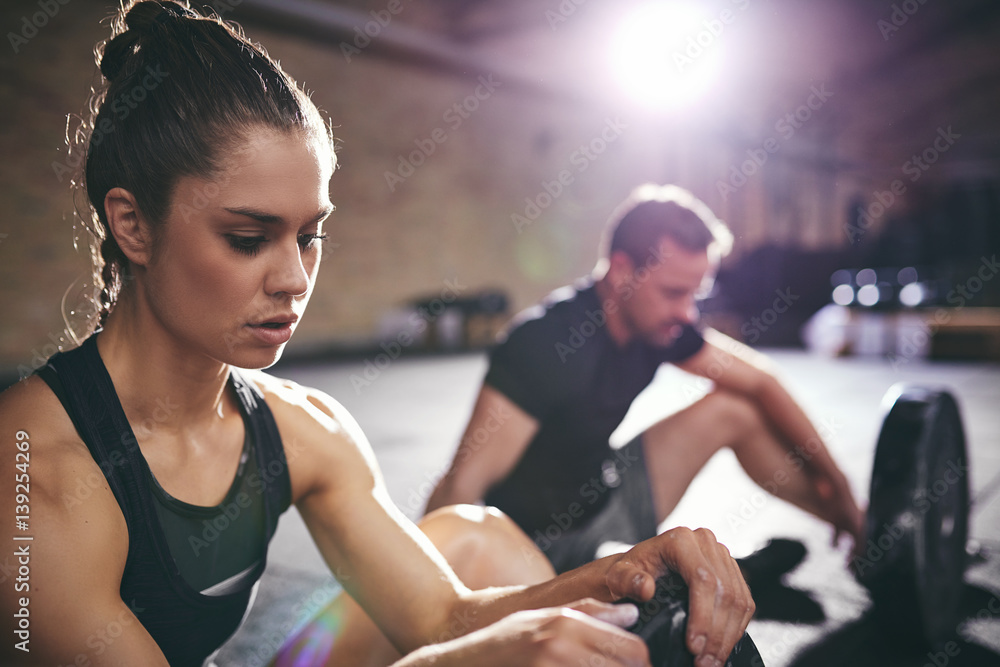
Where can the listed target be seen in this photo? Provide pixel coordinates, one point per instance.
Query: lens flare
(666, 54)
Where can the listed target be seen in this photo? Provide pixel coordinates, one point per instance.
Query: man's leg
(677, 447)
(483, 546)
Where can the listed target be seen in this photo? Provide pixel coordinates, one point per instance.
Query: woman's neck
(157, 377)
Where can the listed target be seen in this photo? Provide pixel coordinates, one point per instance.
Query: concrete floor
(413, 412)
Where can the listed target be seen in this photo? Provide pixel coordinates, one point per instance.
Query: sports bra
(189, 606)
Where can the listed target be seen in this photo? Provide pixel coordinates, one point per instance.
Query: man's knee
(734, 410)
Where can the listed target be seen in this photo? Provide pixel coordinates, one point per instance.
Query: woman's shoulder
(32, 412)
(324, 445)
(284, 395)
(58, 499)
(63, 483)
(306, 414)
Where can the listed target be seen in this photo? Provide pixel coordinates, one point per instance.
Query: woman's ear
(128, 226)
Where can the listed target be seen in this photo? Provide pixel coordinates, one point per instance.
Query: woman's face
(236, 260)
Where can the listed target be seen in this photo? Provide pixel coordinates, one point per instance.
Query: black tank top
(187, 624)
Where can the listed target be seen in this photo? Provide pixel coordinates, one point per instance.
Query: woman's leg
(483, 546)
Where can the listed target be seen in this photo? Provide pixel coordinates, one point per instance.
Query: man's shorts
(628, 516)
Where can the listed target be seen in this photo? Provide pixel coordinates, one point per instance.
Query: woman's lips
(274, 333)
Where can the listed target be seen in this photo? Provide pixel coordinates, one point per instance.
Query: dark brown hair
(180, 91)
(652, 212)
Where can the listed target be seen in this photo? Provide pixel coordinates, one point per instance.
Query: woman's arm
(403, 583)
(61, 589)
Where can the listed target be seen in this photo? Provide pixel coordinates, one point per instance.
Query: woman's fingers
(575, 635)
(622, 615)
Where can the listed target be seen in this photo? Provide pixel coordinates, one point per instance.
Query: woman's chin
(255, 359)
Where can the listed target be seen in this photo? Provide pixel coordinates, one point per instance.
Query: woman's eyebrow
(270, 218)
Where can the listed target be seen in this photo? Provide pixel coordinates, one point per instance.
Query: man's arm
(495, 439)
(737, 368)
(66, 578)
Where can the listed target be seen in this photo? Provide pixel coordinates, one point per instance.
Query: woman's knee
(464, 527)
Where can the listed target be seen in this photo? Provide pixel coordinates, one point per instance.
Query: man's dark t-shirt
(559, 365)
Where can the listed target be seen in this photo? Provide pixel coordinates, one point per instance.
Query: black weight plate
(918, 524)
(663, 622)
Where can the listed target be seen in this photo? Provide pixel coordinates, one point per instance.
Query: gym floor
(414, 409)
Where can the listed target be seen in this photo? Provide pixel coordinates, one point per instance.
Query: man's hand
(720, 605)
(578, 634)
(843, 514)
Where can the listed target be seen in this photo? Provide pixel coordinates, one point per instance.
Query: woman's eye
(306, 240)
(247, 245)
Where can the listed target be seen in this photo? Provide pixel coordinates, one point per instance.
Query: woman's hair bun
(141, 20)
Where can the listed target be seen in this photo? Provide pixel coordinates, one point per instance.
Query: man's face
(656, 297)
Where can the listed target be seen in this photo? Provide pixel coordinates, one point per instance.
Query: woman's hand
(570, 636)
(720, 605)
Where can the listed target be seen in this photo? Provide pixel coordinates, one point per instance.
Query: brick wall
(451, 220)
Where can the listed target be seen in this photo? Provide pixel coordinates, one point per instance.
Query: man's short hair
(652, 212)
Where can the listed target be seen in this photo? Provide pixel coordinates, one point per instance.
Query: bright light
(912, 295)
(868, 295)
(843, 295)
(667, 53)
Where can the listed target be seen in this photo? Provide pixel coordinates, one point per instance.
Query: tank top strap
(83, 385)
(85, 388)
(187, 625)
(274, 481)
